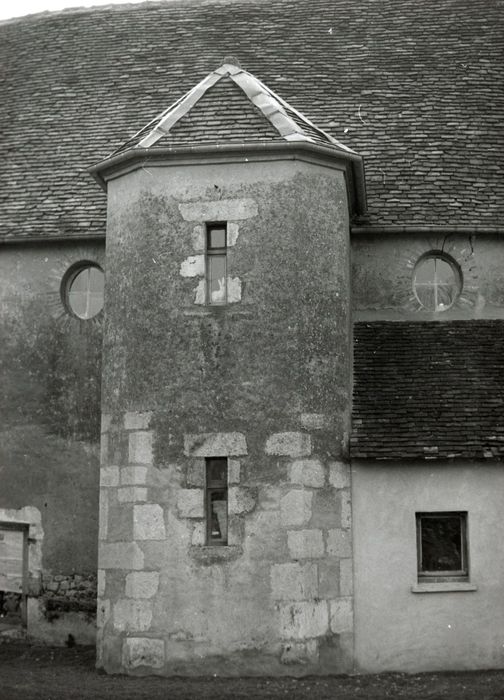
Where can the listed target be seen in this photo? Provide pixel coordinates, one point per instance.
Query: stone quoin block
(140, 447)
(143, 651)
(198, 239)
(294, 581)
(148, 522)
(104, 449)
(220, 210)
(101, 581)
(137, 420)
(131, 494)
(120, 555)
(296, 508)
(339, 475)
(132, 615)
(307, 472)
(109, 476)
(190, 503)
(346, 509)
(240, 500)
(133, 476)
(233, 471)
(215, 445)
(304, 619)
(341, 615)
(346, 577)
(193, 266)
(106, 421)
(103, 515)
(291, 444)
(142, 584)
(339, 543)
(305, 544)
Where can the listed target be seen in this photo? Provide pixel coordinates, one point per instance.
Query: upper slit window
(216, 250)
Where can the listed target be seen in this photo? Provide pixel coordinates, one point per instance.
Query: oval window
(437, 281)
(84, 291)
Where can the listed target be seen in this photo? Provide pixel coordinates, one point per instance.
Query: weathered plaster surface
(396, 629)
(382, 276)
(50, 374)
(264, 382)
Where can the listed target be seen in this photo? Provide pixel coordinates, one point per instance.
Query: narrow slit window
(442, 547)
(216, 263)
(216, 500)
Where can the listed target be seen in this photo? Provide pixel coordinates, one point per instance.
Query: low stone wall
(68, 593)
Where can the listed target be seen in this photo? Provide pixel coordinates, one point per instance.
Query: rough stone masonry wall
(294, 531)
(263, 381)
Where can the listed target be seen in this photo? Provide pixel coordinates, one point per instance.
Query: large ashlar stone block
(133, 476)
(294, 581)
(193, 266)
(346, 509)
(307, 472)
(304, 620)
(220, 210)
(215, 445)
(291, 444)
(103, 514)
(305, 544)
(148, 522)
(131, 494)
(143, 651)
(109, 477)
(142, 584)
(346, 577)
(191, 503)
(234, 471)
(339, 475)
(137, 420)
(296, 508)
(140, 447)
(240, 500)
(132, 615)
(341, 615)
(339, 543)
(120, 555)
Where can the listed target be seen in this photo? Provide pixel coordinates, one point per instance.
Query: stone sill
(217, 554)
(446, 587)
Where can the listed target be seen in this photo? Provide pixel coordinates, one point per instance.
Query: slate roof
(428, 390)
(414, 87)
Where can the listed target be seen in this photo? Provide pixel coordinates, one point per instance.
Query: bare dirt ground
(47, 673)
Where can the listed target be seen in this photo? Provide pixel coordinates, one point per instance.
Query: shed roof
(415, 88)
(428, 390)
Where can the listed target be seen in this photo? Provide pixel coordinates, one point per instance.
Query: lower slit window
(216, 501)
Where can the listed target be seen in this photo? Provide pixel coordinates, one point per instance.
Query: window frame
(215, 486)
(449, 575)
(457, 275)
(213, 252)
(66, 287)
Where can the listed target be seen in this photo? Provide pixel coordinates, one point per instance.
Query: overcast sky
(18, 8)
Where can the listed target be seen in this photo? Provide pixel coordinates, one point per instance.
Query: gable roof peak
(288, 124)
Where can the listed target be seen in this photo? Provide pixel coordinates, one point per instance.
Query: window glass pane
(218, 515)
(441, 543)
(217, 278)
(436, 283)
(217, 471)
(85, 295)
(217, 238)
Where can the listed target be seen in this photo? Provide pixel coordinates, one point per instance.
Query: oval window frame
(66, 286)
(457, 273)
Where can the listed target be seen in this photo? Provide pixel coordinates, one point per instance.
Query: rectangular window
(216, 263)
(216, 500)
(442, 547)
